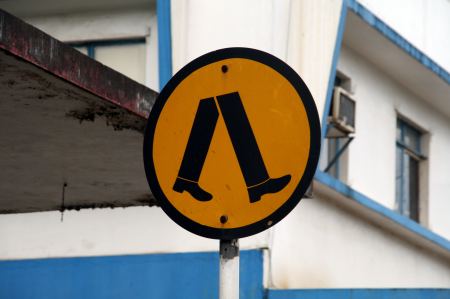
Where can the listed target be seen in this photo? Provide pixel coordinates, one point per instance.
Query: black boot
(193, 188)
(269, 186)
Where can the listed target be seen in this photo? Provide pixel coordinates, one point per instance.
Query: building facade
(379, 215)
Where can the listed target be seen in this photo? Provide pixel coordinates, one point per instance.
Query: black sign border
(314, 150)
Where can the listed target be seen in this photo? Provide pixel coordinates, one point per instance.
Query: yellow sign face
(232, 143)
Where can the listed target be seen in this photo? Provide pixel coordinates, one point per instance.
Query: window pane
(398, 178)
(127, 59)
(412, 139)
(399, 132)
(407, 170)
(406, 194)
(414, 188)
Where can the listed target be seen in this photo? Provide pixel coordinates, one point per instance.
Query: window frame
(408, 205)
(91, 45)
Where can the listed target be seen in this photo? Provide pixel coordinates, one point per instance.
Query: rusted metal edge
(40, 49)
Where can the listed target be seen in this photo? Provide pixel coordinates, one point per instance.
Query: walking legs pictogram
(244, 143)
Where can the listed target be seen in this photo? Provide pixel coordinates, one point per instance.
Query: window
(126, 56)
(408, 157)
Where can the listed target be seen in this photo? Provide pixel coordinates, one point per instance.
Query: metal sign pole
(229, 269)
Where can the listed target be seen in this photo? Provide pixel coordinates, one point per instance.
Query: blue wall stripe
(371, 204)
(164, 42)
(360, 294)
(398, 40)
(335, 59)
(179, 275)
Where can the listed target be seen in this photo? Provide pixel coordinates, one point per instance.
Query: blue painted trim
(164, 42)
(92, 45)
(368, 17)
(336, 54)
(360, 294)
(175, 276)
(91, 51)
(365, 201)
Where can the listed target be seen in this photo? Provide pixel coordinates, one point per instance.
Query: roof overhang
(392, 54)
(71, 128)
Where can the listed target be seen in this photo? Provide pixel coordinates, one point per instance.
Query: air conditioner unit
(342, 114)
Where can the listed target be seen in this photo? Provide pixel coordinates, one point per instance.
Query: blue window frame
(91, 46)
(408, 157)
(127, 56)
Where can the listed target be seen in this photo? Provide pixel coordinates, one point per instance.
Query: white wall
(101, 232)
(371, 168)
(312, 38)
(425, 23)
(108, 25)
(322, 245)
(302, 33)
(201, 26)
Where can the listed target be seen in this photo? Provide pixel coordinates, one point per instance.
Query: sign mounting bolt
(224, 68)
(223, 219)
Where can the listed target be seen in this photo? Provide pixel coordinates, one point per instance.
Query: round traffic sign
(232, 143)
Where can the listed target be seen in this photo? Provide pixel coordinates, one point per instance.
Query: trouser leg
(246, 148)
(196, 150)
(243, 139)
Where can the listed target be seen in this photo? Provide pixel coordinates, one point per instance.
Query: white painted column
(229, 269)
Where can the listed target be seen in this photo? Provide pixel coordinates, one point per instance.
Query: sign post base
(229, 269)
